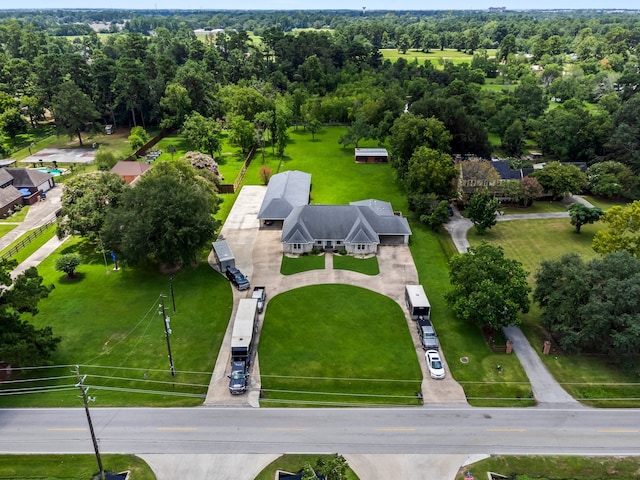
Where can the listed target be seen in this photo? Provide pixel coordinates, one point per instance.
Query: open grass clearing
(302, 263)
(366, 266)
(436, 56)
(70, 467)
(294, 463)
(532, 241)
(483, 382)
(554, 467)
(109, 325)
(538, 206)
(336, 345)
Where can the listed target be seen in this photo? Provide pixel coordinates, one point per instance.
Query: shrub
(68, 263)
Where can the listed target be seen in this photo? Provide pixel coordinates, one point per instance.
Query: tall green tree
(203, 133)
(22, 344)
(74, 111)
(611, 179)
(166, 218)
(489, 290)
(431, 172)
(86, 201)
(176, 104)
(12, 123)
(482, 210)
(592, 306)
(622, 232)
(560, 180)
(581, 215)
(241, 133)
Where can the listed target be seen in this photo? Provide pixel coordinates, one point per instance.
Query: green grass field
(18, 216)
(336, 345)
(366, 266)
(604, 203)
(110, 326)
(31, 247)
(303, 263)
(70, 467)
(6, 228)
(435, 56)
(555, 467)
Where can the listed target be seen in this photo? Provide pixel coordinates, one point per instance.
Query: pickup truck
(260, 294)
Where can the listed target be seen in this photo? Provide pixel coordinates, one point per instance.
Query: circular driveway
(258, 254)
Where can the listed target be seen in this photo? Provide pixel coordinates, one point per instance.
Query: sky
(324, 4)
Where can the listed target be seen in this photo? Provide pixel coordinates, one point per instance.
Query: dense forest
(567, 80)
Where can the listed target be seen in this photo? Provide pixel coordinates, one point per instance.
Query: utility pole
(167, 332)
(173, 298)
(85, 400)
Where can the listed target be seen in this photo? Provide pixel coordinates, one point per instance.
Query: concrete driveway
(258, 254)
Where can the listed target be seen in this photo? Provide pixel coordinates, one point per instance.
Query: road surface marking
(618, 431)
(61, 429)
(506, 430)
(395, 429)
(286, 429)
(180, 429)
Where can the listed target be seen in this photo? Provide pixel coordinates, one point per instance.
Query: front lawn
(303, 263)
(366, 266)
(110, 326)
(484, 383)
(554, 467)
(70, 467)
(336, 345)
(604, 203)
(6, 228)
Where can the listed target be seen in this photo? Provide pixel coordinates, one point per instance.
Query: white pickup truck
(260, 294)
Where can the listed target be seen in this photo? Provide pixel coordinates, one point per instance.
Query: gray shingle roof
(5, 176)
(8, 195)
(286, 191)
(359, 222)
(28, 177)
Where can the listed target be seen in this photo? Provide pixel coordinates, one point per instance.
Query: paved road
(454, 430)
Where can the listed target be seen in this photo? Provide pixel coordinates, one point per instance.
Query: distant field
(437, 57)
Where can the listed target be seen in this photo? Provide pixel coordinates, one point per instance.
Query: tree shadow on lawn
(88, 250)
(76, 278)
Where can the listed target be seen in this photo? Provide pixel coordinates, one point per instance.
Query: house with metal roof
(286, 191)
(357, 228)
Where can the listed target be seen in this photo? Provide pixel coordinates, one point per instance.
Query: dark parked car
(236, 277)
(239, 378)
(427, 333)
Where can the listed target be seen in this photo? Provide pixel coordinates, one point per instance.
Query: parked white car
(434, 363)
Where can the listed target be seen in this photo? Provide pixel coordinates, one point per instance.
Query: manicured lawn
(335, 177)
(483, 383)
(31, 247)
(303, 263)
(555, 467)
(367, 266)
(109, 325)
(532, 241)
(6, 228)
(336, 345)
(538, 206)
(70, 467)
(603, 203)
(294, 463)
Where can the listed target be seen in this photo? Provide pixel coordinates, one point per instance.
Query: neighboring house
(286, 191)
(371, 155)
(22, 186)
(358, 227)
(479, 174)
(130, 171)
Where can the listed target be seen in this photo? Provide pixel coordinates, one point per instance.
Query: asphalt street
(446, 430)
